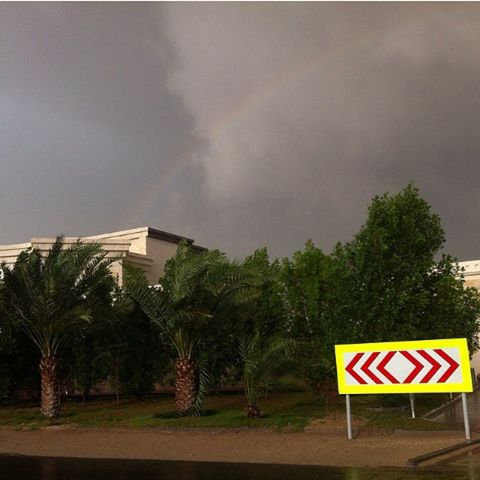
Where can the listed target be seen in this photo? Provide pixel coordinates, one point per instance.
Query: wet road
(469, 462)
(48, 468)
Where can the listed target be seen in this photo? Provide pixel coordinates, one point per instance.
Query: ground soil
(322, 443)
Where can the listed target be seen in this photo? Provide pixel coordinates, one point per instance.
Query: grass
(389, 422)
(282, 410)
(286, 411)
(390, 413)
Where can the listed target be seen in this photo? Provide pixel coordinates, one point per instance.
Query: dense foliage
(212, 322)
(388, 284)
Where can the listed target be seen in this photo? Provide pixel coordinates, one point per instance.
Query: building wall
(9, 253)
(473, 282)
(160, 251)
(471, 275)
(145, 248)
(136, 237)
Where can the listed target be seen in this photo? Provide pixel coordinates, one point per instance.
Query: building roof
(150, 232)
(471, 267)
(117, 243)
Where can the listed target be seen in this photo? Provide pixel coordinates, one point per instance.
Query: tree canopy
(211, 320)
(391, 282)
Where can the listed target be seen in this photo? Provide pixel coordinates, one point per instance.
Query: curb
(416, 461)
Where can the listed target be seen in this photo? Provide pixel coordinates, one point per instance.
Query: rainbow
(254, 101)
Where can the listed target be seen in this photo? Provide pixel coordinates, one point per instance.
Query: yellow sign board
(404, 367)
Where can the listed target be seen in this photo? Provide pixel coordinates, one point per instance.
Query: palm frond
(47, 294)
(261, 355)
(204, 383)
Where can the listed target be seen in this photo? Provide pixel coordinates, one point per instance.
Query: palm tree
(195, 288)
(261, 355)
(263, 335)
(49, 296)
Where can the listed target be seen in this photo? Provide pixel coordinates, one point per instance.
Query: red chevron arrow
(433, 370)
(418, 366)
(366, 367)
(352, 372)
(383, 364)
(453, 365)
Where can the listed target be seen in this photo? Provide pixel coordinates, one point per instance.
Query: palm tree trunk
(50, 403)
(253, 411)
(185, 385)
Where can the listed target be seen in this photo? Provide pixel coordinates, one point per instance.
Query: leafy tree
(387, 285)
(196, 289)
(219, 355)
(266, 312)
(146, 357)
(7, 352)
(18, 375)
(82, 361)
(305, 285)
(121, 346)
(305, 288)
(81, 358)
(49, 297)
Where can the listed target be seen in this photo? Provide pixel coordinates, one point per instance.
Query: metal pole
(349, 417)
(412, 405)
(465, 416)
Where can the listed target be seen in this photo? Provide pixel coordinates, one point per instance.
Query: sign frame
(465, 385)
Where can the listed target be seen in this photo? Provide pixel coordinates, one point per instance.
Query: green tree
(80, 359)
(7, 357)
(266, 312)
(49, 297)
(18, 363)
(305, 289)
(194, 293)
(147, 356)
(387, 285)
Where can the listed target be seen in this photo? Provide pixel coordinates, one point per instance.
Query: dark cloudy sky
(238, 124)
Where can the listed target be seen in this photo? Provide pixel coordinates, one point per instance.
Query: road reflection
(468, 461)
(17, 467)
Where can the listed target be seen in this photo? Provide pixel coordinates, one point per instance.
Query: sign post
(412, 405)
(466, 421)
(425, 366)
(349, 417)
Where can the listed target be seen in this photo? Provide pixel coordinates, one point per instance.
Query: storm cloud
(240, 125)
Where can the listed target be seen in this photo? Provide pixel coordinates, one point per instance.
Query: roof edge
(167, 236)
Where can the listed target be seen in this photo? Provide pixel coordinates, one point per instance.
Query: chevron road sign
(404, 367)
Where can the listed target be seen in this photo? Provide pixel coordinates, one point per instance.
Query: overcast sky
(238, 124)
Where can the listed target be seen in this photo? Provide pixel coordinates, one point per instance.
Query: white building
(146, 248)
(471, 275)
